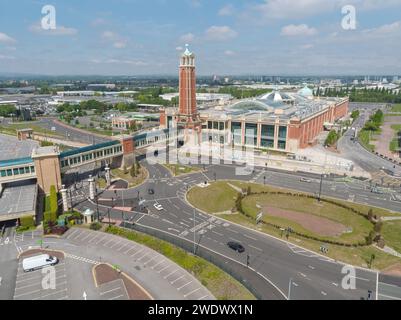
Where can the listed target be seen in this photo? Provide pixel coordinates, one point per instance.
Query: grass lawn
(396, 108)
(178, 169)
(132, 181)
(392, 235)
(219, 283)
(364, 138)
(359, 256)
(35, 128)
(220, 197)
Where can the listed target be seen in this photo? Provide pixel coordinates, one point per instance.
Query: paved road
(84, 249)
(71, 133)
(354, 151)
(313, 276)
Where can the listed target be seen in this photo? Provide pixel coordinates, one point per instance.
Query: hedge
(51, 214)
(307, 236)
(27, 221)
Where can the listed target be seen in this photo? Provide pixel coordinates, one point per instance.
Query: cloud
(220, 33)
(298, 30)
(59, 31)
(137, 63)
(98, 22)
(229, 53)
(117, 41)
(384, 30)
(187, 38)
(179, 48)
(227, 10)
(290, 9)
(2, 57)
(6, 39)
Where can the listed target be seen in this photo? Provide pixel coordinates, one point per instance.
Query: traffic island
(105, 274)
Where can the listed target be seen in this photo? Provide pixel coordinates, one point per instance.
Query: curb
(274, 237)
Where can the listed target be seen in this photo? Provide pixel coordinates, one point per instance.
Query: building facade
(279, 121)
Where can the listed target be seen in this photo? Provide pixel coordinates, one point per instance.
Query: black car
(236, 246)
(151, 191)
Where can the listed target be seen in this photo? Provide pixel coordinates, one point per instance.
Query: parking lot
(33, 285)
(163, 278)
(113, 290)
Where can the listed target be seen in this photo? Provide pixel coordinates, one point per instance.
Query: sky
(146, 37)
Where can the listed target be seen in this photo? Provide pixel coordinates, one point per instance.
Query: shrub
(27, 222)
(95, 226)
(378, 226)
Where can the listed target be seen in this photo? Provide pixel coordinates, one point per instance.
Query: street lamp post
(108, 212)
(264, 180)
(97, 204)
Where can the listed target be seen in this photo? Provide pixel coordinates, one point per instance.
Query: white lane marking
(249, 237)
(256, 248)
(390, 297)
(170, 274)
(377, 285)
(192, 292)
(335, 284)
(179, 278)
(166, 267)
(218, 233)
(311, 267)
(323, 293)
(184, 285)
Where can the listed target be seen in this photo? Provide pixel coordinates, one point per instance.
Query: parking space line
(160, 262)
(119, 241)
(145, 263)
(111, 290)
(192, 292)
(95, 237)
(179, 278)
(72, 233)
(137, 252)
(131, 248)
(89, 234)
(146, 253)
(50, 294)
(124, 245)
(201, 298)
(184, 285)
(170, 274)
(98, 242)
(26, 293)
(80, 233)
(114, 298)
(168, 266)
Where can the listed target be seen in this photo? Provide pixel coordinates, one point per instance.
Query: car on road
(38, 262)
(236, 246)
(305, 180)
(158, 207)
(151, 191)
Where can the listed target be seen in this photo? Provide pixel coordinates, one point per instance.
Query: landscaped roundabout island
(346, 231)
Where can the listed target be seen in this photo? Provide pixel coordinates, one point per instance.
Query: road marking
(119, 241)
(170, 274)
(377, 285)
(188, 294)
(108, 291)
(184, 285)
(179, 278)
(335, 284)
(391, 297)
(160, 262)
(249, 237)
(323, 293)
(114, 298)
(311, 267)
(168, 266)
(255, 248)
(124, 245)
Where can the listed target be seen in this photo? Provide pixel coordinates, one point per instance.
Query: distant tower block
(188, 116)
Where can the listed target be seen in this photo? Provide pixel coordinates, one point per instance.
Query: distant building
(101, 87)
(279, 121)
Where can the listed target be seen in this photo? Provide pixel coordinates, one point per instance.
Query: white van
(38, 262)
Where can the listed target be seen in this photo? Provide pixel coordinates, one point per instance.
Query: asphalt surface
(351, 149)
(84, 249)
(280, 264)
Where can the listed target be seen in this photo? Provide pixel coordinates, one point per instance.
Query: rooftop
(18, 199)
(12, 148)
